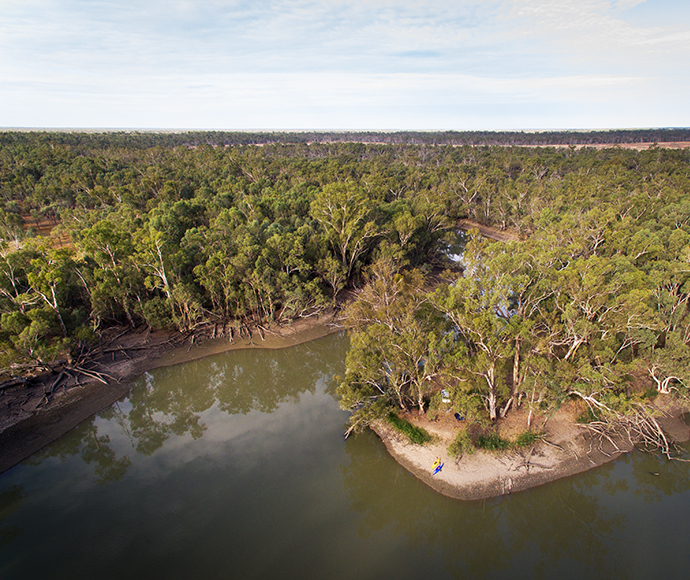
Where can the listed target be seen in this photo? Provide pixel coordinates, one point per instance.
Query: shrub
(527, 438)
(415, 434)
(461, 444)
(157, 313)
(492, 442)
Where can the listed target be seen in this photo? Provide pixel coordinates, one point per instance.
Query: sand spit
(565, 449)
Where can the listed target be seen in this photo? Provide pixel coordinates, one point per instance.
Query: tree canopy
(175, 230)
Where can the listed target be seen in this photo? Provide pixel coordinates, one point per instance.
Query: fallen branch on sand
(552, 444)
(638, 426)
(73, 372)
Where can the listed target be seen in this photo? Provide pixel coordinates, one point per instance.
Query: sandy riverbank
(566, 449)
(29, 420)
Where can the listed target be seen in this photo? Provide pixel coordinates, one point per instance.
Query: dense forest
(178, 231)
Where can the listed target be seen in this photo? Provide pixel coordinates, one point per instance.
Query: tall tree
(347, 216)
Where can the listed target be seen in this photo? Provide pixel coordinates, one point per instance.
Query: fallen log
(93, 374)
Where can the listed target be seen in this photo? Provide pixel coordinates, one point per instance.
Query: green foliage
(167, 230)
(492, 442)
(157, 313)
(395, 346)
(527, 438)
(461, 445)
(415, 434)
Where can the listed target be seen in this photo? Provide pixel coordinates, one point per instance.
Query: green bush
(527, 438)
(415, 434)
(492, 442)
(157, 313)
(461, 444)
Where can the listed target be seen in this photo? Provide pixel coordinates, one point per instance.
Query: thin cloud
(338, 63)
(598, 25)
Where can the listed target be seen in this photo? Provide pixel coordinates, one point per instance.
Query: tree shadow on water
(170, 402)
(10, 501)
(93, 448)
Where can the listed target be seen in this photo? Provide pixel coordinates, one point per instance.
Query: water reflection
(569, 526)
(563, 530)
(454, 245)
(94, 449)
(656, 477)
(469, 535)
(171, 402)
(10, 501)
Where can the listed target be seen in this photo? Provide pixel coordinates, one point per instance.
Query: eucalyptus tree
(398, 343)
(49, 279)
(347, 216)
(477, 306)
(116, 283)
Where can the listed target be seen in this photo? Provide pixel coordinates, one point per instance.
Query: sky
(345, 64)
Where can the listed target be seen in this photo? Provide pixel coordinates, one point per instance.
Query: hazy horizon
(307, 130)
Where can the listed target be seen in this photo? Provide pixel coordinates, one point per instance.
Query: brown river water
(235, 466)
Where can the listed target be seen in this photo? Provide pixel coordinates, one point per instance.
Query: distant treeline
(146, 139)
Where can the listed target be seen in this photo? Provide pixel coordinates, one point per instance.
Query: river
(235, 466)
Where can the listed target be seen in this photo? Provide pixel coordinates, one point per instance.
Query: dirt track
(488, 231)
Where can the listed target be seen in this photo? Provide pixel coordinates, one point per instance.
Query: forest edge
(32, 417)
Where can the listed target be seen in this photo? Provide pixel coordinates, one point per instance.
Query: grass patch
(492, 441)
(527, 438)
(415, 434)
